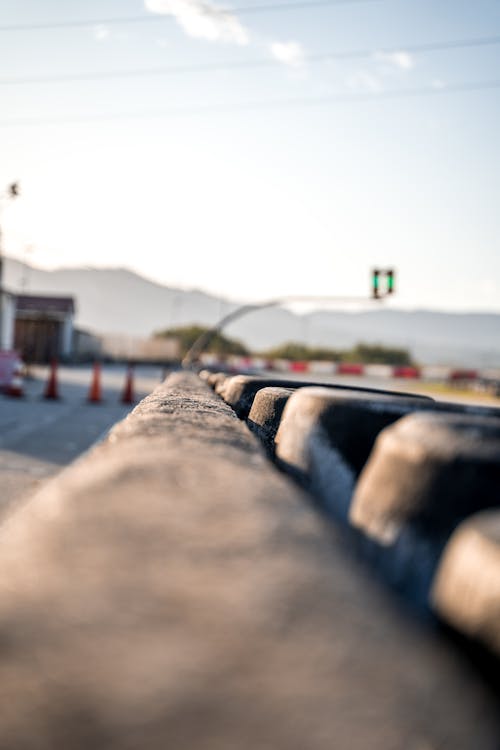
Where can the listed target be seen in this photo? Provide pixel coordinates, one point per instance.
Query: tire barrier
(466, 590)
(239, 390)
(414, 482)
(265, 414)
(430, 470)
(426, 473)
(326, 435)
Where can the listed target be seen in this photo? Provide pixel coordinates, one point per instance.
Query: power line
(248, 64)
(242, 10)
(394, 94)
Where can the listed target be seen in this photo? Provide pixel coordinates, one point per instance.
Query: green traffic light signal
(379, 289)
(390, 281)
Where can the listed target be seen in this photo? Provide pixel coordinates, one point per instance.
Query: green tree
(376, 354)
(187, 335)
(297, 351)
(363, 353)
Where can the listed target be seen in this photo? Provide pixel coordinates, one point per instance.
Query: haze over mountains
(117, 300)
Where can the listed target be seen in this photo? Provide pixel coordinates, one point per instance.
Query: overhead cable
(155, 18)
(346, 98)
(249, 64)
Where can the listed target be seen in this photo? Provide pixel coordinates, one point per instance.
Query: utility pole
(11, 193)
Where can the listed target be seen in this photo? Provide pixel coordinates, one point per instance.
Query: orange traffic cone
(52, 390)
(95, 386)
(128, 391)
(15, 388)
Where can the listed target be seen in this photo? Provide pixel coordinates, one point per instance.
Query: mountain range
(120, 301)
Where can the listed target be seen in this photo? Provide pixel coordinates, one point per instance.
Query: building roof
(43, 304)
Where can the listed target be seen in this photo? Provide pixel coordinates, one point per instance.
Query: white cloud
(401, 59)
(101, 33)
(202, 19)
(288, 53)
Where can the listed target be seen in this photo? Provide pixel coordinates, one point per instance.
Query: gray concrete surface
(172, 590)
(38, 437)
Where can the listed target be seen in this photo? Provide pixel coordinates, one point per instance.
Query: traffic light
(379, 289)
(390, 281)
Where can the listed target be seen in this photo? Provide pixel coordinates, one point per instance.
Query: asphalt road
(39, 437)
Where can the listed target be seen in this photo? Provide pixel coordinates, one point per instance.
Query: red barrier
(406, 372)
(348, 368)
(299, 366)
(463, 375)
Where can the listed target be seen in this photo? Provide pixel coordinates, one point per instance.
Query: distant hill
(116, 300)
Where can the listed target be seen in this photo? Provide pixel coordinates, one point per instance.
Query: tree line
(223, 345)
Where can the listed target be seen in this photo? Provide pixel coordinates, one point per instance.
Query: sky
(258, 151)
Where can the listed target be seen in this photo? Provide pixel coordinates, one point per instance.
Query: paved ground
(38, 438)
(397, 384)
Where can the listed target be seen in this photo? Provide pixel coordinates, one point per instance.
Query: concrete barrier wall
(172, 590)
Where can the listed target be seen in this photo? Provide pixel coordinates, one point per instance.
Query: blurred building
(123, 347)
(86, 346)
(39, 327)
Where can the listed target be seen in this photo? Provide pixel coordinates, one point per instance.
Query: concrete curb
(172, 590)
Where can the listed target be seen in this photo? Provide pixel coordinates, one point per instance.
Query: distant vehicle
(10, 364)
